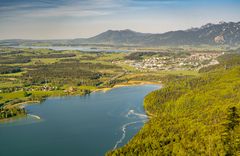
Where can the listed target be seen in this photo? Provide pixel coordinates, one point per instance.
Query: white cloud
(71, 9)
(85, 18)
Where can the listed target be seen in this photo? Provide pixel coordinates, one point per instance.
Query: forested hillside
(193, 115)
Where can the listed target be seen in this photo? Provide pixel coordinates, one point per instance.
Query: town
(192, 61)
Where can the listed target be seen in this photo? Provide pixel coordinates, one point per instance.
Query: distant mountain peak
(207, 25)
(220, 33)
(210, 34)
(121, 31)
(126, 30)
(222, 22)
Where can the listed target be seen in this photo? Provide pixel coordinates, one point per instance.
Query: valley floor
(196, 113)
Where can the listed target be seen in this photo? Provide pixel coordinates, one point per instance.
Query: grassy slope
(190, 116)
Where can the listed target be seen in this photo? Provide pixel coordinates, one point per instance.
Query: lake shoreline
(120, 111)
(124, 84)
(127, 84)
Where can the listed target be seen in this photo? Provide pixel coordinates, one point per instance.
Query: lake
(81, 48)
(77, 125)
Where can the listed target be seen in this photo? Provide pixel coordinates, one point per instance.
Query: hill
(193, 115)
(209, 34)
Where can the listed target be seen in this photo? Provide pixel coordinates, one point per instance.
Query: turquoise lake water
(77, 125)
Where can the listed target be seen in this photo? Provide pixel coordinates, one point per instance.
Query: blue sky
(55, 19)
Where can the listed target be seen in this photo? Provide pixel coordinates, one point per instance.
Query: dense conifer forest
(193, 115)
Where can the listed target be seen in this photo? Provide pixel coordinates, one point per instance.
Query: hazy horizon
(45, 19)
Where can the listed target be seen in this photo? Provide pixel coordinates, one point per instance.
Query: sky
(67, 19)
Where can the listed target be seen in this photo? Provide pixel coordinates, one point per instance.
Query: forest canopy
(193, 115)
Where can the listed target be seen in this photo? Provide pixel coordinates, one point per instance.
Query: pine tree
(230, 138)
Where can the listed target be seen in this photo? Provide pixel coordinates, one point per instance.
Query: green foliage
(11, 112)
(65, 72)
(142, 55)
(9, 69)
(34, 74)
(54, 55)
(233, 119)
(26, 94)
(192, 116)
(139, 55)
(226, 62)
(230, 137)
(14, 60)
(10, 53)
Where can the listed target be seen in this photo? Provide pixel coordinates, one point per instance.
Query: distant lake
(77, 125)
(81, 48)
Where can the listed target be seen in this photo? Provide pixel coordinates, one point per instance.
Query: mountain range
(209, 34)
